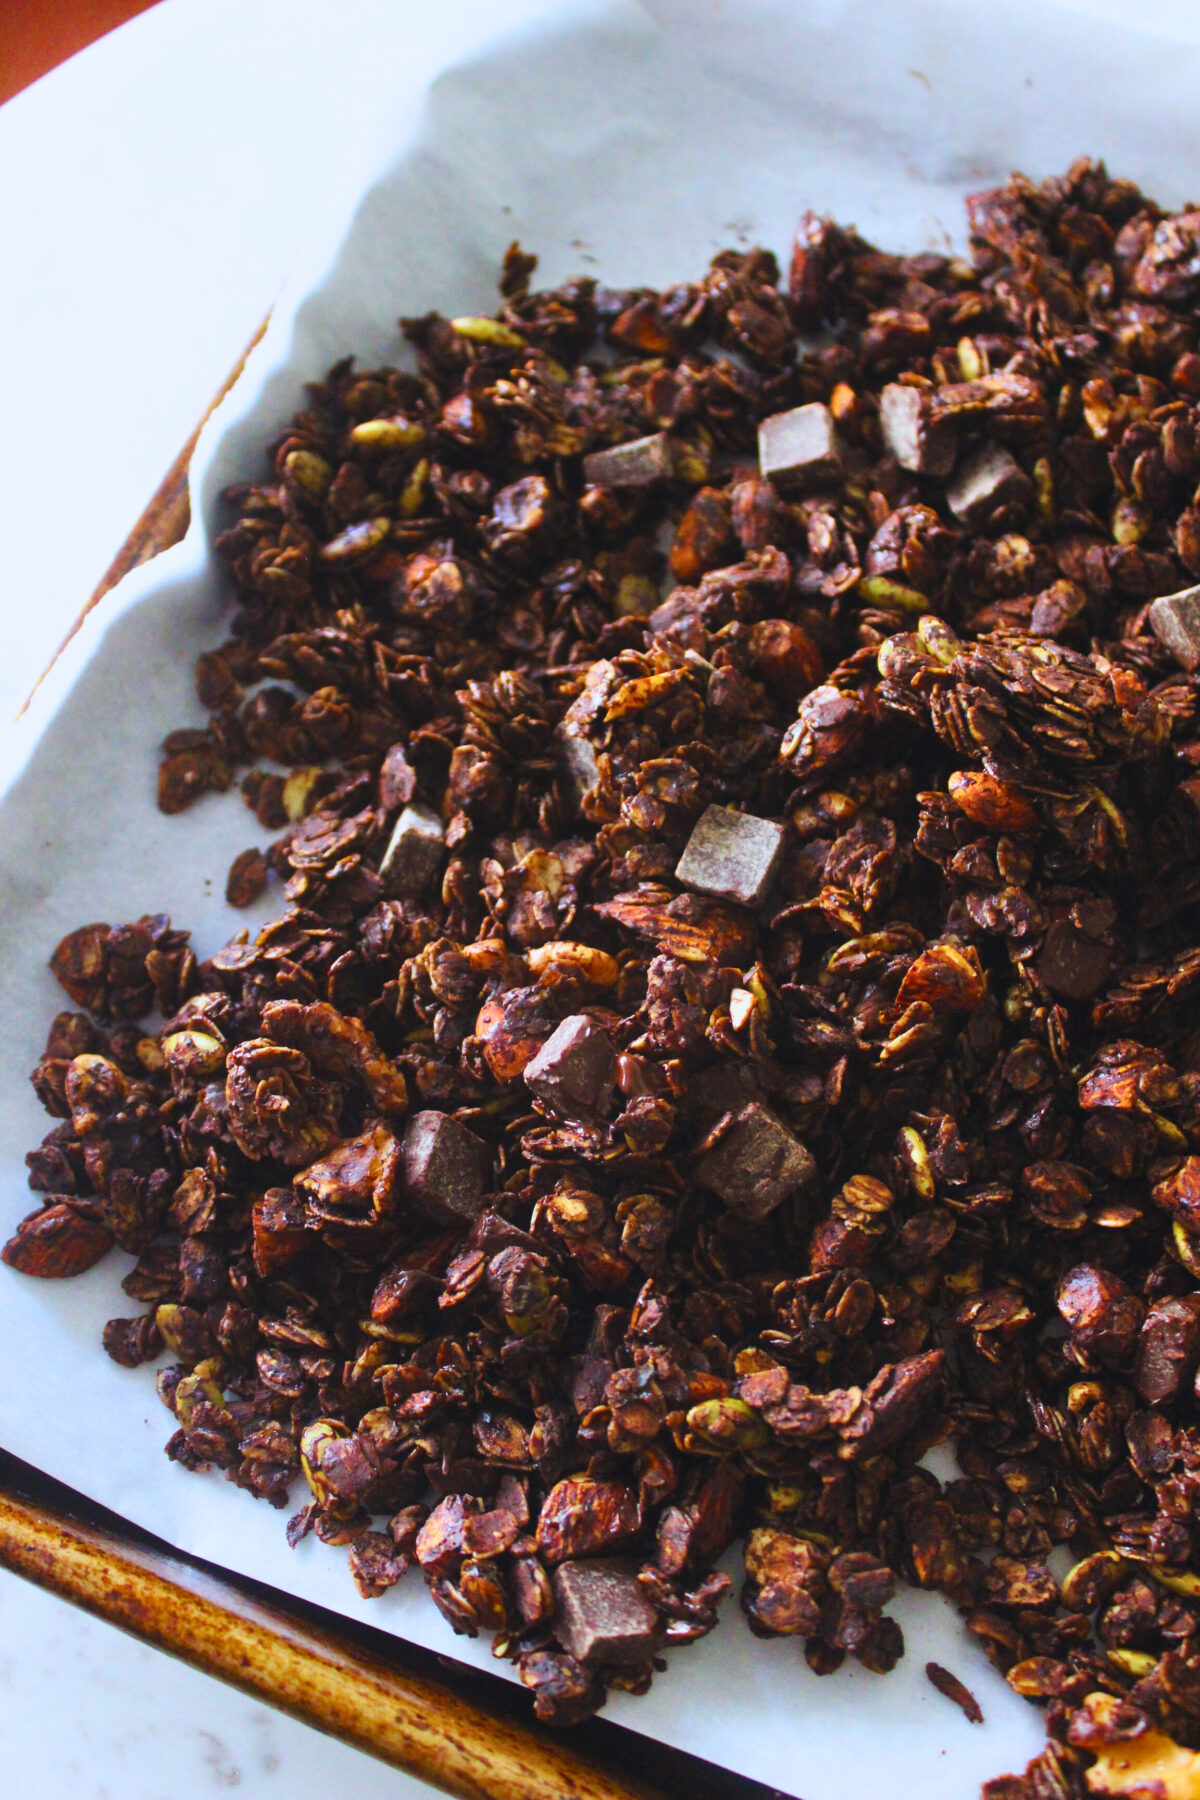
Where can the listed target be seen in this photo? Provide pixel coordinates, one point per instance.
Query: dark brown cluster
(731, 1026)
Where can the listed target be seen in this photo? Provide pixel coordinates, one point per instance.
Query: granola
(730, 1024)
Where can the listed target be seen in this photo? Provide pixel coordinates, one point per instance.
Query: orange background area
(36, 35)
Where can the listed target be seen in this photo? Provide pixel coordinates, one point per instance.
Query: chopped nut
(56, 1241)
(995, 804)
(1168, 1349)
(596, 966)
(741, 1005)
(580, 1517)
(694, 930)
(397, 779)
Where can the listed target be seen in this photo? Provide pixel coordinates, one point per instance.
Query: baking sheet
(631, 141)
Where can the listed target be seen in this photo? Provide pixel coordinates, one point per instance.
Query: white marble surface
(87, 1713)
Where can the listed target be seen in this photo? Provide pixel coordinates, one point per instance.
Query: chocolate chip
(1074, 963)
(731, 855)
(799, 446)
(601, 1614)
(575, 1071)
(414, 853)
(1175, 622)
(756, 1163)
(985, 481)
(915, 436)
(639, 463)
(446, 1168)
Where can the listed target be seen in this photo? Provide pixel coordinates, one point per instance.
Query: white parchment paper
(630, 141)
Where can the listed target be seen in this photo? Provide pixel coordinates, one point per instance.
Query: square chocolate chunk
(575, 1071)
(583, 719)
(724, 1087)
(799, 446)
(639, 463)
(757, 1163)
(601, 1614)
(731, 855)
(983, 482)
(579, 763)
(916, 437)
(414, 853)
(447, 1170)
(1175, 622)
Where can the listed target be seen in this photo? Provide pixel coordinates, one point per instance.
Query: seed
(488, 331)
(388, 434)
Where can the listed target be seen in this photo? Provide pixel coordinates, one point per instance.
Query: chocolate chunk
(639, 463)
(1175, 622)
(1168, 1349)
(1071, 965)
(731, 855)
(602, 1615)
(446, 1168)
(723, 1088)
(799, 446)
(984, 482)
(756, 1164)
(575, 1071)
(916, 437)
(576, 755)
(414, 853)
(1077, 956)
(578, 762)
